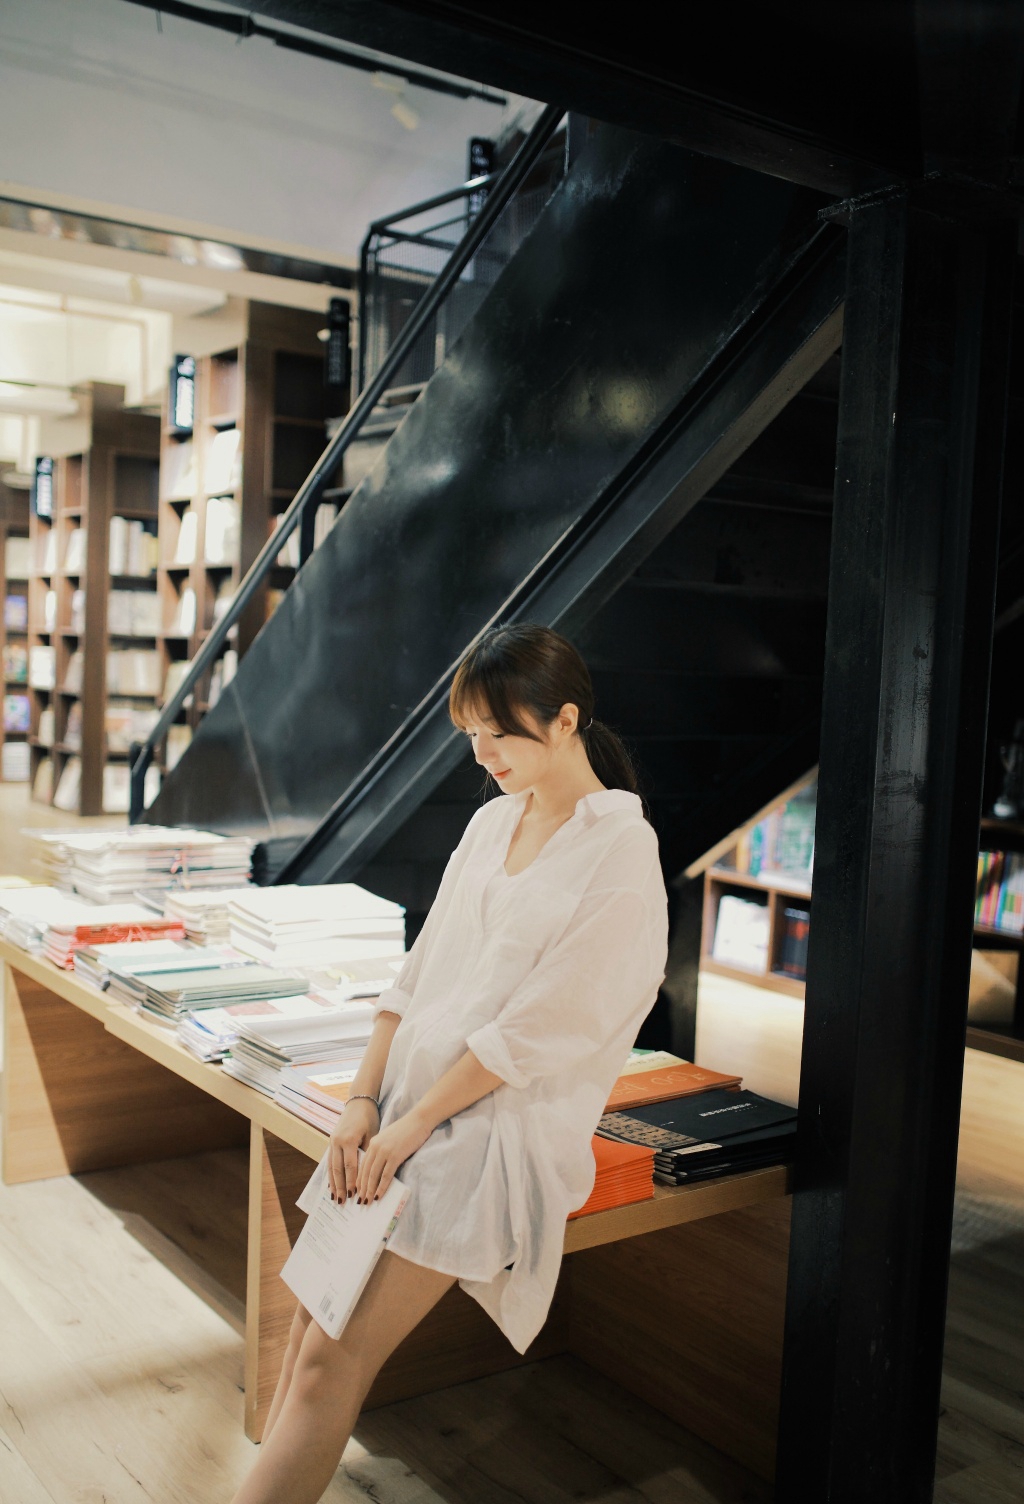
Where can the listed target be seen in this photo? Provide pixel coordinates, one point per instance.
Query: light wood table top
(670, 1207)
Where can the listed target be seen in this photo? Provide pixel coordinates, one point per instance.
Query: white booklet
(337, 1250)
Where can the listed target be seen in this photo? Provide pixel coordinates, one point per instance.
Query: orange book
(683, 1080)
(620, 1179)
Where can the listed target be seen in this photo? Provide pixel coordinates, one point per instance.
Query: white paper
(337, 1250)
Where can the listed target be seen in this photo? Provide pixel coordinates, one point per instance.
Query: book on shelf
(623, 1175)
(782, 844)
(741, 933)
(288, 558)
(224, 671)
(133, 613)
(223, 466)
(132, 549)
(796, 929)
(77, 621)
(68, 792)
(74, 676)
(16, 613)
(133, 671)
(183, 623)
(17, 558)
(17, 712)
(46, 553)
(46, 733)
(338, 1248)
(50, 611)
(116, 792)
(222, 600)
(222, 536)
(15, 663)
(73, 728)
(182, 480)
(177, 670)
(42, 666)
(74, 551)
(999, 903)
(188, 533)
(15, 762)
(42, 784)
(125, 722)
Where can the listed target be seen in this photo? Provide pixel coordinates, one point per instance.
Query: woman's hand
(387, 1151)
(353, 1131)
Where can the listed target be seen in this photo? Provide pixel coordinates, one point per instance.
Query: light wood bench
(680, 1299)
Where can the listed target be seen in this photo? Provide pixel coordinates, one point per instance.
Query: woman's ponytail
(608, 757)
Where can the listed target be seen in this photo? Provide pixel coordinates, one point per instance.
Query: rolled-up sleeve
(593, 987)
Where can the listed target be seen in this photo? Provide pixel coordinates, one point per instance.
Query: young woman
(492, 1057)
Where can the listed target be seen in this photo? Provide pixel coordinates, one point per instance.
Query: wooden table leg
(277, 1173)
(75, 1098)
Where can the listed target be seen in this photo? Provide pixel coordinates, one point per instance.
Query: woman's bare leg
(329, 1381)
(300, 1321)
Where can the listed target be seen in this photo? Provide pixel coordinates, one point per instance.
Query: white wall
(190, 129)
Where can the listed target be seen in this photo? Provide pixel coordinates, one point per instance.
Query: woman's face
(517, 762)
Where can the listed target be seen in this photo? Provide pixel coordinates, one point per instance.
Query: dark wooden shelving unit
(114, 476)
(14, 524)
(269, 389)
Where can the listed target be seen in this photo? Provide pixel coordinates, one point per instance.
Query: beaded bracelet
(362, 1096)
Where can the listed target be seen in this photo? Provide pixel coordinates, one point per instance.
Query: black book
(776, 1139)
(709, 1117)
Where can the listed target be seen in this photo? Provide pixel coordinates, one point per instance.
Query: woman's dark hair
(517, 668)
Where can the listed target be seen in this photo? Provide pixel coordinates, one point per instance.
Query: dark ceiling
(841, 96)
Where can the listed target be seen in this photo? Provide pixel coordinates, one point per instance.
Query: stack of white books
(27, 913)
(316, 926)
(210, 1033)
(203, 911)
(94, 963)
(265, 1048)
(110, 865)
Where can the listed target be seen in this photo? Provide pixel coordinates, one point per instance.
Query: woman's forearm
(460, 1086)
(370, 1074)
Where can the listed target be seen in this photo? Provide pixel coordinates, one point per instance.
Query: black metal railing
(312, 488)
(403, 254)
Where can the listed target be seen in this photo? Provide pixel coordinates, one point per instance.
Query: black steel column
(911, 591)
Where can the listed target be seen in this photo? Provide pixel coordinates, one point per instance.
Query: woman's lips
(503, 774)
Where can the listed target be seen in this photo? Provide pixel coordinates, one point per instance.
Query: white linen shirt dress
(546, 976)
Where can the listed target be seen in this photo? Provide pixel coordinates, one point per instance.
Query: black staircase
(633, 440)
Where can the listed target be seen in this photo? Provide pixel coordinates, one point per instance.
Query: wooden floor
(121, 1355)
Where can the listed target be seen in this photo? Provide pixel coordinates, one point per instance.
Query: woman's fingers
(351, 1168)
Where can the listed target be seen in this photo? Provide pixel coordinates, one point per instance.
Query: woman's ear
(568, 719)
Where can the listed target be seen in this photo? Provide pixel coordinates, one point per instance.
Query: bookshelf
(1001, 1039)
(777, 893)
(14, 733)
(258, 427)
(93, 660)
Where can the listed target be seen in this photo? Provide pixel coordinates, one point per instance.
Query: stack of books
(103, 924)
(625, 1174)
(266, 1048)
(203, 912)
(317, 1093)
(999, 904)
(27, 913)
(706, 1134)
(210, 1033)
(110, 865)
(95, 963)
(168, 990)
(316, 926)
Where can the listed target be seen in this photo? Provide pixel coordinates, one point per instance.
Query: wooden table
(680, 1299)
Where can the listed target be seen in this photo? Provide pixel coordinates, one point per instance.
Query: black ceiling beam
(241, 25)
(785, 90)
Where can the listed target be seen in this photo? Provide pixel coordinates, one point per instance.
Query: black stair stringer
(618, 323)
(764, 366)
